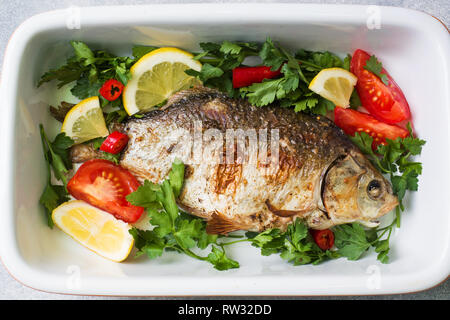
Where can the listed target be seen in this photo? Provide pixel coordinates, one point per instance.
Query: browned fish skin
(83, 152)
(239, 196)
(311, 140)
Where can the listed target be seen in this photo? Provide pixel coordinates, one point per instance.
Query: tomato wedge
(352, 121)
(386, 103)
(323, 238)
(105, 185)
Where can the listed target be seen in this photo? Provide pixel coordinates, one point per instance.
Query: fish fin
(219, 224)
(285, 213)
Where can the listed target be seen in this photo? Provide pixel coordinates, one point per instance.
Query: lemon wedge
(334, 84)
(95, 229)
(156, 76)
(85, 121)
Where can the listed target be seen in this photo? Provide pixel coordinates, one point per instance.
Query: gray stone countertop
(14, 12)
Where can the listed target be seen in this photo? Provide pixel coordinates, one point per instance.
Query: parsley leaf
(220, 261)
(61, 146)
(314, 61)
(264, 93)
(57, 153)
(351, 240)
(355, 100)
(68, 73)
(289, 90)
(346, 62)
(374, 66)
(84, 88)
(176, 176)
(188, 231)
(228, 47)
(219, 59)
(83, 53)
(323, 106)
(394, 159)
(305, 104)
(140, 51)
(295, 245)
(173, 230)
(116, 115)
(56, 156)
(51, 198)
(364, 142)
(89, 69)
(145, 195)
(206, 73)
(147, 243)
(109, 156)
(271, 55)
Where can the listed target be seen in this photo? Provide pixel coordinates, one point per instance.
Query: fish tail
(219, 224)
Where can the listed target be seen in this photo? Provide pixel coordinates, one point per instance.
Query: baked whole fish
(315, 173)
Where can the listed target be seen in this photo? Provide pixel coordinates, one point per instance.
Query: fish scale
(318, 178)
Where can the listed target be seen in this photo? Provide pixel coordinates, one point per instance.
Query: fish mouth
(389, 206)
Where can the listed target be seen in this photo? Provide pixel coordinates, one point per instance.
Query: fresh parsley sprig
(375, 66)
(294, 245)
(56, 156)
(289, 90)
(394, 159)
(218, 62)
(174, 230)
(90, 69)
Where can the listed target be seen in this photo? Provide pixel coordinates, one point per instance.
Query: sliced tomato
(323, 238)
(352, 121)
(105, 185)
(386, 103)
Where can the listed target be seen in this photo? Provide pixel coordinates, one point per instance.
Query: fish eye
(374, 189)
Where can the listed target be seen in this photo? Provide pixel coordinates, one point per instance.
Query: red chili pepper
(111, 89)
(115, 142)
(323, 238)
(245, 76)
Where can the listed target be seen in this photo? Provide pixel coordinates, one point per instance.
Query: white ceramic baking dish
(413, 46)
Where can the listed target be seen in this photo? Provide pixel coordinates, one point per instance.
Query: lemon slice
(334, 84)
(85, 121)
(95, 229)
(156, 76)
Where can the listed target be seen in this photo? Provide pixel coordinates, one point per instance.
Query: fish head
(354, 190)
